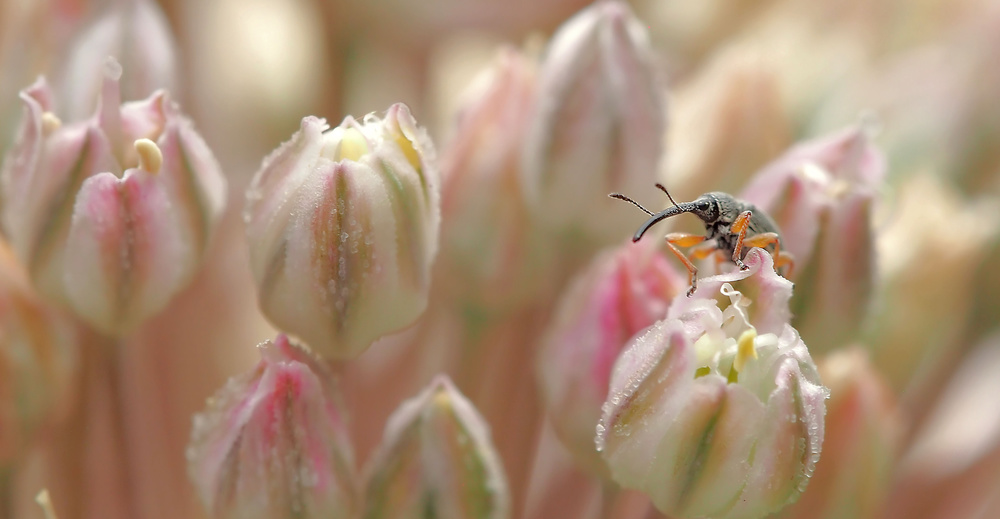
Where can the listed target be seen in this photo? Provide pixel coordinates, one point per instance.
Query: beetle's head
(707, 207)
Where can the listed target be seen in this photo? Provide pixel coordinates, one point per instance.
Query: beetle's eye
(704, 205)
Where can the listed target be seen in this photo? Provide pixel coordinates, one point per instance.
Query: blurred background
(745, 81)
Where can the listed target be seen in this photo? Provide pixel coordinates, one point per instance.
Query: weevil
(732, 227)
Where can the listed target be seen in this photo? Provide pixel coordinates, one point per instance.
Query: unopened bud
(599, 124)
(436, 458)
(273, 443)
(343, 228)
(621, 293)
(821, 194)
(492, 254)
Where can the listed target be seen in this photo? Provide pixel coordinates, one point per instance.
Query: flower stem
(115, 375)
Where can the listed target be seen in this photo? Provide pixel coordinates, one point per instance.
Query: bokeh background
(745, 80)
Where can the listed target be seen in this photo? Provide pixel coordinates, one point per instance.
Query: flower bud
(37, 359)
(863, 431)
(729, 122)
(343, 228)
(599, 124)
(621, 293)
(138, 35)
(113, 214)
(821, 193)
(436, 459)
(273, 443)
(491, 252)
(717, 412)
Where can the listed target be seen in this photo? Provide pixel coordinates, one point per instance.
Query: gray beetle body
(719, 212)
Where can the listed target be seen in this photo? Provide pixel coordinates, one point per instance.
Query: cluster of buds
(717, 412)
(111, 215)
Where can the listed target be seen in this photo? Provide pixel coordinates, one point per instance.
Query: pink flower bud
(273, 443)
(491, 253)
(137, 34)
(821, 193)
(436, 459)
(113, 214)
(621, 293)
(599, 127)
(37, 360)
(717, 412)
(863, 433)
(343, 228)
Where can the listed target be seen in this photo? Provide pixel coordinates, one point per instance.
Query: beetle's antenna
(664, 189)
(620, 196)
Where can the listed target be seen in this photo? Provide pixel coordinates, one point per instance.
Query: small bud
(491, 253)
(821, 193)
(273, 443)
(621, 293)
(113, 214)
(436, 460)
(717, 412)
(138, 35)
(599, 124)
(863, 433)
(343, 228)
(38, 356)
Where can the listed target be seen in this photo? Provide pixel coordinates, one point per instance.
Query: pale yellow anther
(745, 349)
(353, 145)
(45, 502)
(150, 156)
(50, 123)
(442, 401)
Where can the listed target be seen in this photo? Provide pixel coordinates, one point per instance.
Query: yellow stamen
(408, 150)
(745, 349)
(45, 502)
(50, 123)
(150, 156)
(352, 146)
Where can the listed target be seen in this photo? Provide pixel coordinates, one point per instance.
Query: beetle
(732, 227)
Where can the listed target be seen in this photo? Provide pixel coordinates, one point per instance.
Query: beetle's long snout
(686, 207)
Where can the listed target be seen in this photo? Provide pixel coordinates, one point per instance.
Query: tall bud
(822, 194)
(273, 443)
(436, 460)
(599, 124)
(622, 292)
(113, 214)
(717, 412)
(490, 249)
(343, 228)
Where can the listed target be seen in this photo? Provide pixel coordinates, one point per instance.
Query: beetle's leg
(781, 258)
(740, 227)
(680, 239)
